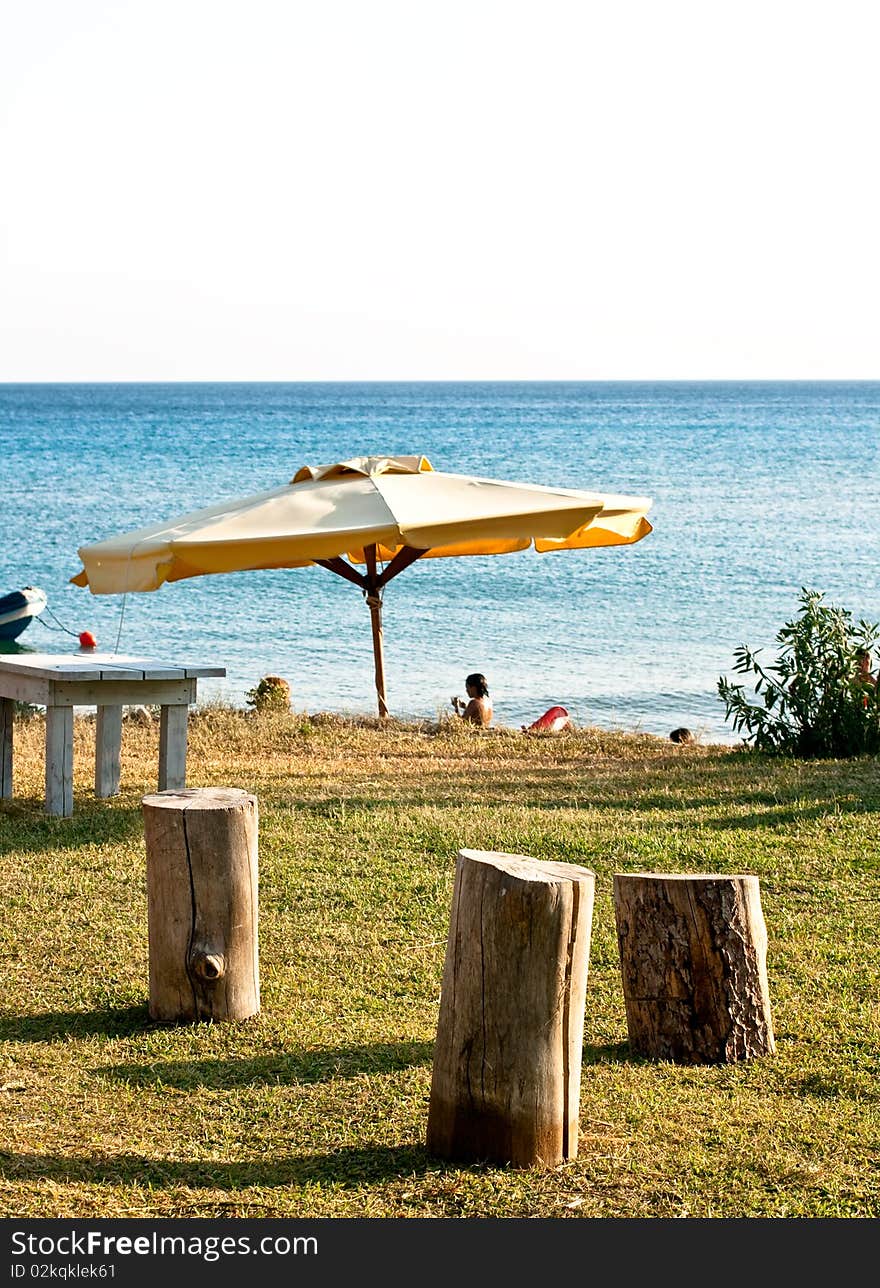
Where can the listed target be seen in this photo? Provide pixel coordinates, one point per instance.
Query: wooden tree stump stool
(693, 958)
(507, 1058)
(202, 903)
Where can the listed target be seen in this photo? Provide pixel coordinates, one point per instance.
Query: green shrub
(271, 694)
(815, 699)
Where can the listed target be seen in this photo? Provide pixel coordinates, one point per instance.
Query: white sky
(462, 189)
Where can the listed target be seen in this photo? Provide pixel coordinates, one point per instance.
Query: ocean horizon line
(488, 381)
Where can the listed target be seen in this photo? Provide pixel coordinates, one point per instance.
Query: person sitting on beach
(478, 710)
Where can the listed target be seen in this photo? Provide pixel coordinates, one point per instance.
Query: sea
(759, 491)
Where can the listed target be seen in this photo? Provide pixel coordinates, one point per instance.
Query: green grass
(318, 1105)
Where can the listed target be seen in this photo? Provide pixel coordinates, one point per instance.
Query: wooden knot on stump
(693, 960)
(208, 967)
(202, 903)
(507, 1058)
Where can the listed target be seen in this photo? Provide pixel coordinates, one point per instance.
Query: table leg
(59, 761)
(7, 716)
(108, 746)
(172, 747)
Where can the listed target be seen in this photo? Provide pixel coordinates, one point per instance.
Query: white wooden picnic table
(107, 681)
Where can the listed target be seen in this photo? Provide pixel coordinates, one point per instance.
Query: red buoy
(87, 640)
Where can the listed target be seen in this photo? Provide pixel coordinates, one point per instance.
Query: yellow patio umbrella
(371, 510)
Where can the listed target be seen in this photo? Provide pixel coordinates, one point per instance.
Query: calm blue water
(758, 489)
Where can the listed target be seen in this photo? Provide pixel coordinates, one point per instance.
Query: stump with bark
(693, 959)
(507, 1058)
(202, 892)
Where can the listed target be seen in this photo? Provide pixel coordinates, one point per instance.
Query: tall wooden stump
(202, 903)
(507, 1058)
(693, 958)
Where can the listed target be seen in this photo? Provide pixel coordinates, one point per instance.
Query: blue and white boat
(18, 608)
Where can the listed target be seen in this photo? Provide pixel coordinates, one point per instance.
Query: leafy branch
(815, 699)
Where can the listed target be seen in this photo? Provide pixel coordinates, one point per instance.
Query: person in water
(863, 658)
(866, 677)
(478, 709)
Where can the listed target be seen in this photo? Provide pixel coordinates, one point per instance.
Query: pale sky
(465, 189)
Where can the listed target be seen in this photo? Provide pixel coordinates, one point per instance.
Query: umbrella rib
(343, 569)
(405, 556)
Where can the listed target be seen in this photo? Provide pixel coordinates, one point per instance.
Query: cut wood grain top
(210, 798)
(684, 876)
(527, 868)
(91, 666)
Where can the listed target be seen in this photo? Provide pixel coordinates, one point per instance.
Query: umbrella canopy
(365, 511)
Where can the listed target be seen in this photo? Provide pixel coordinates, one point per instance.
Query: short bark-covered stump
(507, 1057)
(202, 903)
(693, 959)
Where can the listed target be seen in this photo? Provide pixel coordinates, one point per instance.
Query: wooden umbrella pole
(371, 585)
(374, 602)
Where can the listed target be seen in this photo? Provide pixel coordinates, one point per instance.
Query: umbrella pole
(371, 586)
(374, 602)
